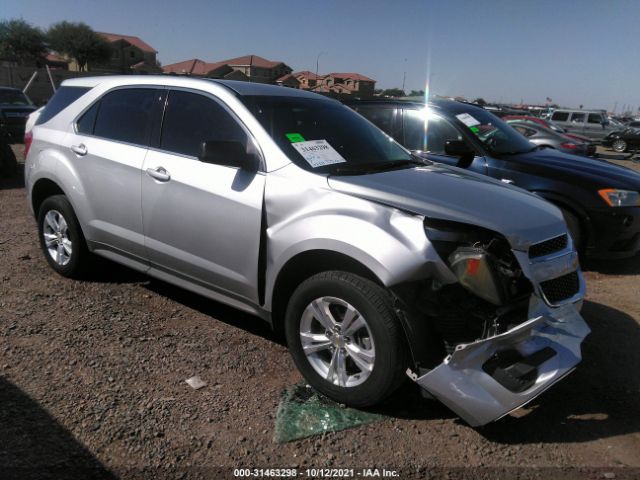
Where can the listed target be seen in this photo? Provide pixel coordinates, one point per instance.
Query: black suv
(600, 200)
(15, 107)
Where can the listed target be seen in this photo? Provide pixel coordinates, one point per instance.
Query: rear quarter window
(64, 97)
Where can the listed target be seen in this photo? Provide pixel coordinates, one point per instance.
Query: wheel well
(305, 265)
(582, 217)
(43, 189)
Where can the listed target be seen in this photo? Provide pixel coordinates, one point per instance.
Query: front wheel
(345, 338)
(575, 228)
(619, 146)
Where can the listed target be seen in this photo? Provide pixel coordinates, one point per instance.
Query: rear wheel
(345, 338)
(61, 238)
(619, 146)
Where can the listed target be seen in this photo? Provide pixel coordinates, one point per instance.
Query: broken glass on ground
(303, 412)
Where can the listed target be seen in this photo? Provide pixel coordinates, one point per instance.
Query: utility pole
(404, 75)
(318, 61)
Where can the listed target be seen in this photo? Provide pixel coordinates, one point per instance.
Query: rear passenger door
(109, 145)
(595, 128)
(202, 221)
(577, 122)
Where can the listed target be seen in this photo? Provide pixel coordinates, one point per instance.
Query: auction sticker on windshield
(467, 119)
(318, 153)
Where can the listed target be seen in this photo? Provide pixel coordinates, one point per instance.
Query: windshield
(12, 97)
(496, 135)
(325, 136)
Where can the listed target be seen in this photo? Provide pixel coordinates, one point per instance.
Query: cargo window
(560, 116)
(191, 119)
(125, 115)
(64, 97)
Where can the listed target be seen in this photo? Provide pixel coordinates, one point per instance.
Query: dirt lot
(92, 386)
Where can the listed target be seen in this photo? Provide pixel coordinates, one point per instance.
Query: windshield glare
(496, 135)
(292, 120)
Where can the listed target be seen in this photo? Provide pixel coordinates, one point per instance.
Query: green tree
(78, 41)
(394, 92)
(480, 101)
(21, 42)
(417, 93)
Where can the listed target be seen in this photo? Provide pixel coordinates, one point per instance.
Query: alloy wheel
(337, 341)
(57, 240)
(620, 146)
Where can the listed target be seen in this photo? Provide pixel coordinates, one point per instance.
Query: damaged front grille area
(555, 244)
(561, 288)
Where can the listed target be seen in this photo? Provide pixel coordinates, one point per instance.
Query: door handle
(79, 149)
(159, 173)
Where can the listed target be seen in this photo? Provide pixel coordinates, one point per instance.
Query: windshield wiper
(373, 167)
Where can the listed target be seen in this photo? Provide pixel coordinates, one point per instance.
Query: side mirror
(460, 148)
(229, 153)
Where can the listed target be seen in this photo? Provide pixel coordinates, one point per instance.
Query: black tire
(375, 306)
(619, 146)
(575, 229)
(8, 161)
(80, 255)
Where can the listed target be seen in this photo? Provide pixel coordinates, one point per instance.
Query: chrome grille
(548, 247)
(561, 288)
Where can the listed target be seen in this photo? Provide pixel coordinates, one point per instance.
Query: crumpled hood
(449, 193)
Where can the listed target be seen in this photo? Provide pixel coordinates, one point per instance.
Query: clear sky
(576, 52)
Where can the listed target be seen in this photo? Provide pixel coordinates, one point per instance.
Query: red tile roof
(286, 77)
(307, 74)
(253, 60)
(52, 57)
(194, 66)
(351, 76)
(135, 41)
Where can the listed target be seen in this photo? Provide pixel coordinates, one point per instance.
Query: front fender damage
(484, 380)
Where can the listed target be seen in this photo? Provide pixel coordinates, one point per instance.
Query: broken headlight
(476, 272)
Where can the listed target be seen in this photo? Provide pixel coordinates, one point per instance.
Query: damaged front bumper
(484, 380)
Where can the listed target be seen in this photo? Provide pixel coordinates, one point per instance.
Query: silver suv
(376, 264)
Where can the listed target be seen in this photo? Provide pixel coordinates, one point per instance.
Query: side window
(527, 132)
(383, 118)
(191, 119)
(438, 132)
(87, 122)
(595, 118)
(560, 116)
(125, 115)
(578, 117)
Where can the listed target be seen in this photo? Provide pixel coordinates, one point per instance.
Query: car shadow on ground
(14, 181)
(627, 266)
(598, 400)
(218, 311)
(34, 445)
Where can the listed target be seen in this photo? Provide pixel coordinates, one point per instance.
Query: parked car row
(376, 262)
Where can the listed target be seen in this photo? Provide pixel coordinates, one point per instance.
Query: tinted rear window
(64, 97)
(125, 115)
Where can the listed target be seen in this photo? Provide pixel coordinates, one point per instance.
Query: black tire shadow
(33, 445)
(627, 266)
(598, 400)
(14, 181)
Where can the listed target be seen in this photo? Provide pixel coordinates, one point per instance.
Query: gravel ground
(92, 386)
